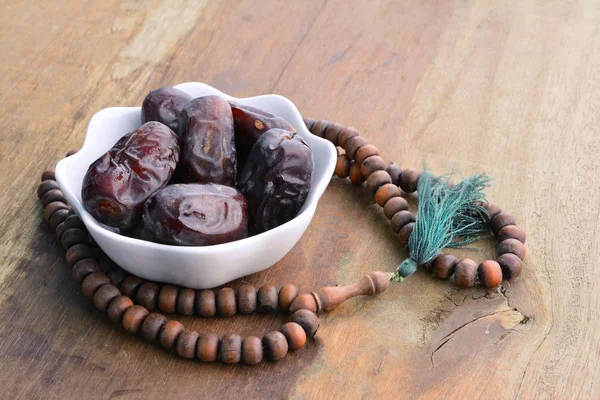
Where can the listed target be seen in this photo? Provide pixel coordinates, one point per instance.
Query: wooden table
(506, 87)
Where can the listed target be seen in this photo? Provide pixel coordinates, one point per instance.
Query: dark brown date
(196, 215)
(164, 105)
(276, 179)
(207, 142)
(250, 123)
(117, 184)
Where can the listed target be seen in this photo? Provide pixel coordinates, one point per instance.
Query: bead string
(131, 301)
(361, 162)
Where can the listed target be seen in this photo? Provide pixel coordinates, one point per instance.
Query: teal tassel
(446, 217)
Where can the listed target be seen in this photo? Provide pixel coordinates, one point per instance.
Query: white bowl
(195, 267)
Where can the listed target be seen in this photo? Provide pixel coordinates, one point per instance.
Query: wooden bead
(185, 301)
(304, 301)
(130, 285)
(490, 274)
(93, 282)
(46, 186)
(53, 207)
(167, 298)
(83, 268)
(395, 171)
(267, 299)
(511, 232)
(409, 180)
(500, 221)
(246, 299)
(206, 303)
(52, 196)
(48, 175)
(511, 265)
(308, 320)
(78, 252)
(152, 325)
(400, 219)
(345, 135)
(332, 132)
(342, 167)
(386, 192)
(352, 146)
(74, 236)
(355, 174)
(320, 127)
(226, 302)
(428, 266)
(444, 266)
(365, 152)
(133, 318)
(372, 164)
(207, 348)
(60, 229)
(252, 350)
(71, 152)
(58, 218)
(405, 232)
(393, 206)
(275, 345)
(376, 180)
(294, 334)
(116, 276)
(309, 122)
(169, 334)
(287, 294)
(230, 350)
(117, 308)
(185, 346)
(73, 221)
(147, 295)
(104, 295)
(493, 209)
(512, 246)
(466, 272)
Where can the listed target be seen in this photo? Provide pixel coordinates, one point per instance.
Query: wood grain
(506, 87)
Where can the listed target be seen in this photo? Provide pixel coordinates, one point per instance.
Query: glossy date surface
(276, 179)
(208, 153)
(116, 185)
(196, 215)
(164, 105)
(250, 123)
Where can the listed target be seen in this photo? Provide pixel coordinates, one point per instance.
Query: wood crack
(449, 336)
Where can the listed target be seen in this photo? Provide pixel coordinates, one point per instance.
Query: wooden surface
(511, 88)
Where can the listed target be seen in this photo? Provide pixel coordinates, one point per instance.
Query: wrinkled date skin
(164, 105)
(196, 215)
(250, 123)
(276, 179)
(208, 152)
(117, 184)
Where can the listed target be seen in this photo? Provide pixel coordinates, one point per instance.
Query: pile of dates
(199, 172)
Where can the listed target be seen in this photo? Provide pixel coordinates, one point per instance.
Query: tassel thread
(447, 217)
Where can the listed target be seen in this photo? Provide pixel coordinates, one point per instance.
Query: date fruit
(196, 215)
(208, 152)
(164, 105)
(276, 179)
(117, 184)
(250, 123)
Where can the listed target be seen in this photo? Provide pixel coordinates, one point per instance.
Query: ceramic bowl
(195, 267)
